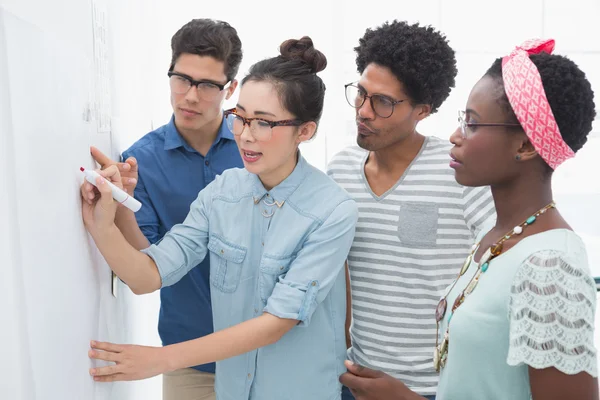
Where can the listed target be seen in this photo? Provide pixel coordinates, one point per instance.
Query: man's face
(375, 132)
(197, 107)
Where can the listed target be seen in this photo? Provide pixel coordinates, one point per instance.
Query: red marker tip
(81, 169)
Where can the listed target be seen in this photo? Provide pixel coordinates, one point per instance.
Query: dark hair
(293, 73)
(419, 56)
(568, 91)
(207, 37)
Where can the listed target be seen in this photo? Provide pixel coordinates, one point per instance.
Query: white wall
(55, 101)
(59, 75)
(16, 363)
(59, 292)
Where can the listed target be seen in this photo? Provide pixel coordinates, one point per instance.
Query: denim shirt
(281, 252)
(170, 176)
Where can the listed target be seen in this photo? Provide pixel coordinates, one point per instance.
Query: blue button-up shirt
(282, 252)
(171, 173)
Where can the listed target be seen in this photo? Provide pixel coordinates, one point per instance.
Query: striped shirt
(409, 245)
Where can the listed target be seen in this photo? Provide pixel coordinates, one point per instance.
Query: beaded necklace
(441, 350)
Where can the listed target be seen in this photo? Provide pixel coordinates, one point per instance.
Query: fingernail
(349, 362)
(91, 353)
(102, 180)
(126, 167)
(93, 342)
(132, 180)
(92, 372)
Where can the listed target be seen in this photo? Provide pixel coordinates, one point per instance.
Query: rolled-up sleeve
(185, 245)
(316, 266)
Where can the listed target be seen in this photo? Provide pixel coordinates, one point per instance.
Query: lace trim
(552, 313)
(570, 365)
(551, 290)
(552, 345)
(549, 318)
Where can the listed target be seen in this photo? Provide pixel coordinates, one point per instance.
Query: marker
(118, 194)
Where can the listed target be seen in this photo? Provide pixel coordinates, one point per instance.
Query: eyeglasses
(382, 106)
(466, 128)
(261, 129)
(181, 84)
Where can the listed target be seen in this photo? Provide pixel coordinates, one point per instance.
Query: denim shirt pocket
(271, 269)
(225, 264)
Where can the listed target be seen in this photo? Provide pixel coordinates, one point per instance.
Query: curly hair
(207, 37)
(419, 56)
(569, 94)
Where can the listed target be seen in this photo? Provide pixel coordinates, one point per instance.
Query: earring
(518, 157)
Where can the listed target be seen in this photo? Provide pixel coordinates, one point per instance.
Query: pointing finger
(100, 157)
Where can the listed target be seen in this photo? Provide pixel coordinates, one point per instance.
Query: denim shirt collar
(173, 138)
(280, 193)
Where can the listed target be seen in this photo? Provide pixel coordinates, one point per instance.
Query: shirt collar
(280, 193)
(173, 138)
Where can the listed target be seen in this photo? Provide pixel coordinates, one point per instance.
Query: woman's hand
(368, 384)
(132, 362)
(99, 211)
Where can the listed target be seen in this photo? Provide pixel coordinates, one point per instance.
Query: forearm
(133, 267)
(239, 339)
(552, 384)
(127, 224)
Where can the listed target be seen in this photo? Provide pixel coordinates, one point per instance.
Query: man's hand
(127, 169)
(368, 384)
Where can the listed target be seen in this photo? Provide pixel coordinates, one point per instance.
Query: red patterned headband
(525, 92)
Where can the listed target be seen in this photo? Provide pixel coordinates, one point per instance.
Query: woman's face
(274, 158)
(486, 155)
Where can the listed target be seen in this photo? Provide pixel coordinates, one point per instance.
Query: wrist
(405, 392)
(416, 397)
(124, 215)
(104, 234)
(169, 358)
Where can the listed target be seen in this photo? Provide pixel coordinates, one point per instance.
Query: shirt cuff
(292, 301)
(168, 277)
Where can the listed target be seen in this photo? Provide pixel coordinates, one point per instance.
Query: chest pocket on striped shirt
(418, 224)
(225, 264)
(271, 269)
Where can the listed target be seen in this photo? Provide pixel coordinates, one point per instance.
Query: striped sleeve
(478, 208)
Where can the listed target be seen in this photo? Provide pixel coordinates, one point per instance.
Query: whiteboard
(55, 102)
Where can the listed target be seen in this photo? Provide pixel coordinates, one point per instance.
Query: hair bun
(304, 50)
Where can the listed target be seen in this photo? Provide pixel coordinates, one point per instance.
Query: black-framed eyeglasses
(383, 106)
(261, 129)
(181, 84)
(465, 126)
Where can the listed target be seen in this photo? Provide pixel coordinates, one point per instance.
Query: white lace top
(534, 306)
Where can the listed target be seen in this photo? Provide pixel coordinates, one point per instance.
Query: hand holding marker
(118, 194)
